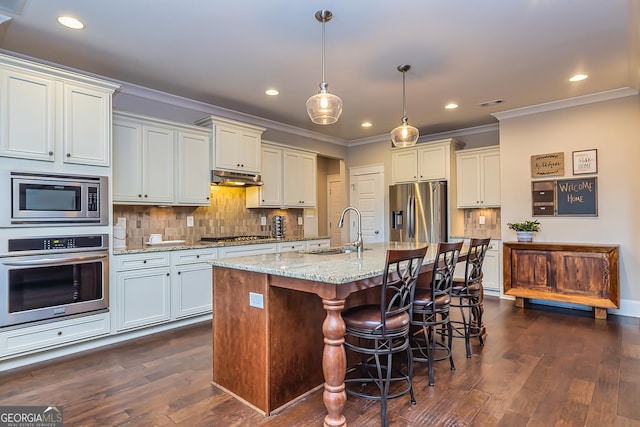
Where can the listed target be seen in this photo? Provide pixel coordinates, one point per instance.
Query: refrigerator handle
(411, 217)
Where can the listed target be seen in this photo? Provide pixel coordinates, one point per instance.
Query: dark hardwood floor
(539, 367)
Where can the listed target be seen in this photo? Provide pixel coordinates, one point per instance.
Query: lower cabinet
(51, 335)
(191, 287)
(317, 244)
(491, 270)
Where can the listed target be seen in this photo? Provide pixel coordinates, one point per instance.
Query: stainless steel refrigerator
(418, 212)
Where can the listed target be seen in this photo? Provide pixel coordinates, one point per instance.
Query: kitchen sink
(334, 250)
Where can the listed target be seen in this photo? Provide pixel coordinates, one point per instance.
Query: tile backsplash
(226, 216)
(490, 228)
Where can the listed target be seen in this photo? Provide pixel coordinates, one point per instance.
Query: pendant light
(404, 135)
(324, 108)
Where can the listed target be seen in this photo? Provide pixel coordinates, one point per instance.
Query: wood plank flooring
(539, 367)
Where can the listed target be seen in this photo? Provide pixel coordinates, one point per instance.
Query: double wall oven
(54, 254)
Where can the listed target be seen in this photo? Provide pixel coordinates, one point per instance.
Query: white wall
(613, 128)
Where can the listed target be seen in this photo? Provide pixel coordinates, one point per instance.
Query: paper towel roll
(119, 237)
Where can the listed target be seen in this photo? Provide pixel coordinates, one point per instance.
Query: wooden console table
(576, 273)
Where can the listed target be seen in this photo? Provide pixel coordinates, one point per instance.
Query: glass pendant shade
(324, 108)
(404, 135)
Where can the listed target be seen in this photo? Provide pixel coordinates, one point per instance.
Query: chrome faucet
(358, 242)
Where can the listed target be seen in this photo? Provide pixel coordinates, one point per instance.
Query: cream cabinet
(53, 115)
(142, 290)
(269, 195)
(236, 145)
(425, 162)
(491, 268)
(191, 288)
(317, 244)
(159, 162)
(291, 246)
(289, 178)
(478, 180)
(246, 250)
(299, 179)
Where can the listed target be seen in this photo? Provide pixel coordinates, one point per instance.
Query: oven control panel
(53, 244)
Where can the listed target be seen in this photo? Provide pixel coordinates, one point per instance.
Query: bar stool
(380, 331)
(431, 311)
(467, 295)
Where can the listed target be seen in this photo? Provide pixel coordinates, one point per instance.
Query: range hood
(235, 179)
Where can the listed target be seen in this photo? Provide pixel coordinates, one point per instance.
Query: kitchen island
(278, 333)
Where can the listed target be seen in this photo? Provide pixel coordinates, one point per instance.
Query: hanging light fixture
(404, 135)
(324, 108)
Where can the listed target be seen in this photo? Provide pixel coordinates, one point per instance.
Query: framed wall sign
(550, 164)
(577, 196)
(585, 162)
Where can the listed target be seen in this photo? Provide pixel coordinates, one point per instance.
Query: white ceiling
(226, 53)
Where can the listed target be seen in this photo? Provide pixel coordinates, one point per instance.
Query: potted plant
(525, 230)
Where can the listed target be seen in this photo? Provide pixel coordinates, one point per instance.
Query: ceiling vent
(490, 103)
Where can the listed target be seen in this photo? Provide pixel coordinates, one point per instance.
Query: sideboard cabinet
(586, 274)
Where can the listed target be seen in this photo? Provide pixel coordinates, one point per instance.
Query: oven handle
(53, 261)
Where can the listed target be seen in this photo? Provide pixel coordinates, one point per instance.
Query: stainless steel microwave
(58, 199)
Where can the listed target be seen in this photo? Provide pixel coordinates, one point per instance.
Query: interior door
(367, 194)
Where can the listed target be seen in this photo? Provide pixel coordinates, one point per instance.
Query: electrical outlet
(256, 300)
(122, 221)
(481, 220)
(189, 221)
(300, 221)
(263, 220)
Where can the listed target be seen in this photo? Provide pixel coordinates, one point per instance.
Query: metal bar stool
(431, 311)
(466, 295)
(380, 331)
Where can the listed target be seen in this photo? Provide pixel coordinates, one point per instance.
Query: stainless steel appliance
(56, 199)
(45, 278)
(235, 179)
(418, 212)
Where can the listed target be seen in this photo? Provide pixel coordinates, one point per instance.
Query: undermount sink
(334, 250)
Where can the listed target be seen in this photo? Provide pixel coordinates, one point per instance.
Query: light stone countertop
(135, 249)
(335, 268)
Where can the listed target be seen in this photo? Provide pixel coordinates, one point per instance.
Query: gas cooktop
(224, 239)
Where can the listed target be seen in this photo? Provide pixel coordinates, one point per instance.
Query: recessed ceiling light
(451, 106)
(272, 92)
(70, 22)
(578, 77)
(366, 124)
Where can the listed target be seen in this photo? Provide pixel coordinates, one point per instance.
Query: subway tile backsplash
(226, 216)
(490, 228)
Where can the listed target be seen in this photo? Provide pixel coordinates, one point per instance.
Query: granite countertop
(335, 268)
(135, 249)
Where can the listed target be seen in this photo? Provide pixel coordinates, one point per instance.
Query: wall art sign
(585, 162)
(550, 164)
(565, 197)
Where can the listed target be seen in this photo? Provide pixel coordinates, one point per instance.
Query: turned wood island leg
(334, 363)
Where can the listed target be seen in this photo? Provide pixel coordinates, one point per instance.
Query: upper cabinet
(236, 145)
(479, 177)
(159, 162)
(289, 178)
(53, 115)
(424, 162)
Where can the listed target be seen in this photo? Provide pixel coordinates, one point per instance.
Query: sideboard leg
(600, 313)
(520, 302)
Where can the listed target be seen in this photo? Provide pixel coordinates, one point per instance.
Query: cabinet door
(491, 269)
(270, 194)
(432, 163)
(226, 148)
(307, 174)
(157, 165)
(193, 169)
(292, 196)
(404, 165)
(142, 298)
(127, 162)
(468, 170)
(27, 116)
(249, 151)
(191, 290)
(490, 179)
(87, 126)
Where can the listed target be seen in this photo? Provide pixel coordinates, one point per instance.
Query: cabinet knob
(167, 274)
(376, 232)
(139, 195)
(146, 195)
(51, 153)
(197, 256)
(59, 333)
(144, 261)
(68, 154)
(178, 273)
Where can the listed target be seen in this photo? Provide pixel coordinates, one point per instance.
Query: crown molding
(566, 103)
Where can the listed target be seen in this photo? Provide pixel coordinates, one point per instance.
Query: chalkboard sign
(577, 197)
